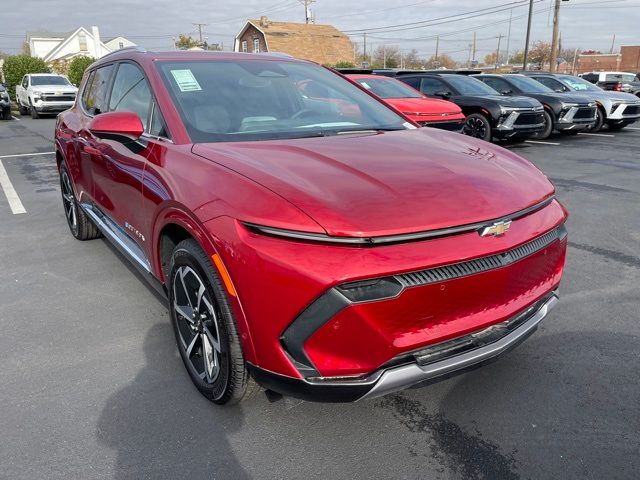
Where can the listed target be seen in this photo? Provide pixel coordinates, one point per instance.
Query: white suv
(617, 81)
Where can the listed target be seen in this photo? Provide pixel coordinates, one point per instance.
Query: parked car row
(516, 107)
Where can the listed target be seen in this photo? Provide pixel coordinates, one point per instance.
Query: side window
(256, 45)
(157, 127)
(244, 46)
(590, 77)
(496, 83)
(552, 83)
(85, 89)
(429, 86)
(131, 93)
(94, 102)
(25, 81)
(412, 82)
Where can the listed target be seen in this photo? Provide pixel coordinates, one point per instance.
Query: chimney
(96, 41)
(264, 22)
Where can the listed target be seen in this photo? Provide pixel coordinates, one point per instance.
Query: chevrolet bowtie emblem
(497, 229)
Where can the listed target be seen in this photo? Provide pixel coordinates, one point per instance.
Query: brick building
(630, 61)
(319, 43)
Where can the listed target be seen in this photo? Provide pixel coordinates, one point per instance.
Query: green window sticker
(186, 81)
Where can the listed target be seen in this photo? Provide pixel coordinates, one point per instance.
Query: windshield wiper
(367, 131)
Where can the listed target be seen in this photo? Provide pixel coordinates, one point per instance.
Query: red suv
(326, 248)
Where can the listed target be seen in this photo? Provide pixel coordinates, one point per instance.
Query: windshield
(620, 77)
(49, 80)
(579, 84)
(227, 101)
(470, 86)
(388, 88)
(528, 85)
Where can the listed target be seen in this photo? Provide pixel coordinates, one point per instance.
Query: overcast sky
(588, 24)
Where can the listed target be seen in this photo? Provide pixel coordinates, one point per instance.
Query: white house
(51, 46)
(118, 43)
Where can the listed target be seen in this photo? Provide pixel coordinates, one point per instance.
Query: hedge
(77, 66)
(17, 66)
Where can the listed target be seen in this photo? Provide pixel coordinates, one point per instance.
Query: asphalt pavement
(92, 385)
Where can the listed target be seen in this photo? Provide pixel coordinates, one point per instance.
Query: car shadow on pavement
(159, 432)
(557, 404)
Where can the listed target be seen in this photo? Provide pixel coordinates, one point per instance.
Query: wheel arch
(175, 225)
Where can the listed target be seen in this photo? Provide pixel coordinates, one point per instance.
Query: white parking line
(26, 154)
(12, 196)
(597, 134)
(15, 118)
(541, 143)
(633, 128)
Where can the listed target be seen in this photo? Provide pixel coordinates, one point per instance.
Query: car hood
(423, 105)
(552, 97)
(388, 183)
(505, 101)
(615, 97)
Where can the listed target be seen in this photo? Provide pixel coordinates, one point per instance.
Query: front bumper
(450, 125)
(41, 106)
(576, 118)
(520, 121)
(435, 363)
(625, 112)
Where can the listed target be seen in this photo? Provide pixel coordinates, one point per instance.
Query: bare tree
(540, 53)
(386, 56)
(443, 61)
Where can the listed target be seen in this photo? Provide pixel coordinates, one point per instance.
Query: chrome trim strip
(117, 236)
(399, 378)
(406, 237)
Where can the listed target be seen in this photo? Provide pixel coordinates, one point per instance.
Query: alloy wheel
(69, 201)
(475, 127)
(197, 322)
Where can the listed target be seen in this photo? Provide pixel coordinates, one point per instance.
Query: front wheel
(6, 115)
(548, 127)
(596, 127)
(204, 326)
(478, 126)
(34, 113)
(81, 226)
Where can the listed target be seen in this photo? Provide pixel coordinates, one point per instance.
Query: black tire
(548, 126)
(208, 342)
(81, 226)
(23, 110)
(34, 112)
(6, 115)
(478, 126)
(616, 127)
(600, 118)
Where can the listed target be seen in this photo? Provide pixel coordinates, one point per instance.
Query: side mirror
(117, 126)
(442, 94)
(506, 92)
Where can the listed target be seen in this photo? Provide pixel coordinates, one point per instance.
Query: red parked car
(328, 253)
(425, 111)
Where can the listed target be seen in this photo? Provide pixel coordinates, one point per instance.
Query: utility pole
(200, 25)
(384, 57)
(469, 59)
(509, 35)
(473, 57)
(498, 51)
(554, 40)
(613, 42)
(526, 43)
(364, 56)
(308, 18)
(437, 46)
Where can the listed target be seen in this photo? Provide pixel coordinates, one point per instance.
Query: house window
(256, 45)
(120, 44)
(82, 39)
(244, 46)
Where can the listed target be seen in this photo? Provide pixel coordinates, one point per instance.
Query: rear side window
(432, 85)
(552, 83)
(131, 93)
(590, 77)
(497, 84)
(94, 96)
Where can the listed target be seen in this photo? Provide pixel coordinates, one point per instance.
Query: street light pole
(526, 45)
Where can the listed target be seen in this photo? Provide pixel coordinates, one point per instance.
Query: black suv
(489, 114)
(568, 114)
(5, 103)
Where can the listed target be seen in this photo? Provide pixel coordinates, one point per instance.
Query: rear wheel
(79, 223)
(204, 326)
(478, 126)
(548, 127)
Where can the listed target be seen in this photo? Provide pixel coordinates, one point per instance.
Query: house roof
(319, 43)
(62, 44)
(47, 34)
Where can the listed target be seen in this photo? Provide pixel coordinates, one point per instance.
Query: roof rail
(134, 48)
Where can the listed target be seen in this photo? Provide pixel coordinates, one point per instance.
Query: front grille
(584, 112)
(631, 110)
(531, 118)
(457, 270)
(58, 98)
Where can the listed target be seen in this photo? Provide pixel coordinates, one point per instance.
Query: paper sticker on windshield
(186, 81)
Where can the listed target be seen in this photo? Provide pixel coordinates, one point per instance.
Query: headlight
(506, 110)
(566, 106)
